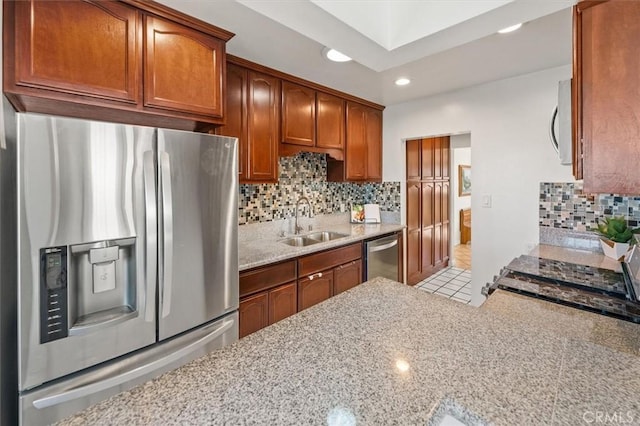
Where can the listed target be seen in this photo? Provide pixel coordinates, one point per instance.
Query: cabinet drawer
(328, 259)
(267, 277)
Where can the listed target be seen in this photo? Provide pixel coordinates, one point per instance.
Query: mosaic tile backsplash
(306, 175)
(563, 205)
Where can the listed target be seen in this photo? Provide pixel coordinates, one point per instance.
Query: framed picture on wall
(464, 180)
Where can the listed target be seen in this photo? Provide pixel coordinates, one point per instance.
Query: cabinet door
(413, 159)
(263, 115)
(445, 157)
(356, 150)
(253, 313)
(374, 144)
(87, 48)
(414, 232)
(437, 244)
(428, 158)
(298, 114)
(330, 121)
(428, 227)
(314, 289)
(347, 276)
(414, 256)
(283, 302)
(236, 114)
(610, 107)
(428, 253)
(183, 69)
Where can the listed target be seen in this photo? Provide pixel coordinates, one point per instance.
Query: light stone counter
(260, 244)
(385, 353)
(581, 257)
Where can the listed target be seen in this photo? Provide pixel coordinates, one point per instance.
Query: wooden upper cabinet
(128, 61)
(183, 68)
(356, 153)
(363, 146)
(312, 121)
(608, 75)
(236, 114)
(263, 116)
(298, 114)
(252, 115)
(373, 135)
(330, 121)
(88, 48)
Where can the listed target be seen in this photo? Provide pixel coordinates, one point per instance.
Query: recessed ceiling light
(334, 55)
(510, 29)
(402, 81)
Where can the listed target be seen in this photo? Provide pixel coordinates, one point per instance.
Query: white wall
(508, 122)
(460, 149)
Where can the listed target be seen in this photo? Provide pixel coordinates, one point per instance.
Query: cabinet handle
(312, 276)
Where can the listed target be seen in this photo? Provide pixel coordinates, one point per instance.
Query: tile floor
(453, 283)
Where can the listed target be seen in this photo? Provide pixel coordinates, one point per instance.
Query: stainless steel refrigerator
(127, 257)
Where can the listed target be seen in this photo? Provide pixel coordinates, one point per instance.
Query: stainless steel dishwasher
(382, 258)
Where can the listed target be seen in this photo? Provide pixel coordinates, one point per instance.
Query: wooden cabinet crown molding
(297, 80)
(161, 10)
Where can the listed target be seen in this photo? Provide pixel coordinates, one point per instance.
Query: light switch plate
(486, 201)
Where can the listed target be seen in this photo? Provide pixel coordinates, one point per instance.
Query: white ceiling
(441, 45)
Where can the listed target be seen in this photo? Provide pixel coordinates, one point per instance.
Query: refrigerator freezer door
(198, 268)
(63, 398)
(81, 251)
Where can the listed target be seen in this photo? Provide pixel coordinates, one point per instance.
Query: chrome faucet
(298, 228)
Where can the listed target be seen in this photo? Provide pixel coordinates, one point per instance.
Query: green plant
(616, 229)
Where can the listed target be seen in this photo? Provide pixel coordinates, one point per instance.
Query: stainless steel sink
(326, 235)
(314, 238)
(300, 241)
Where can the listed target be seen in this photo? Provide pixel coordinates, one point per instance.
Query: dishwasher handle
(373, 247)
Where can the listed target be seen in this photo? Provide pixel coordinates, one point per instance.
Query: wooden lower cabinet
(253, 313)
(274, 292)
(315, 289)
(283, 302)
(266, 308)
(347, 276)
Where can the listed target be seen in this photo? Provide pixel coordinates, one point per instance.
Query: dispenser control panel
(53, 294)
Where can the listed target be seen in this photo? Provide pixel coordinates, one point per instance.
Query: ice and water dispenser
(85, 287)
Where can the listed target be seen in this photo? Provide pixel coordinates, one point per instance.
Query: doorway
(461, 233)
(428, 206)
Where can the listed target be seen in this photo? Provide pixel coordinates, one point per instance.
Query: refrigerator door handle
(123, 378)
(167, 233)
(151, 225)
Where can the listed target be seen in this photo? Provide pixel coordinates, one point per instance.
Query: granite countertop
(572, 255)
(386, 353)
(259, 244)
